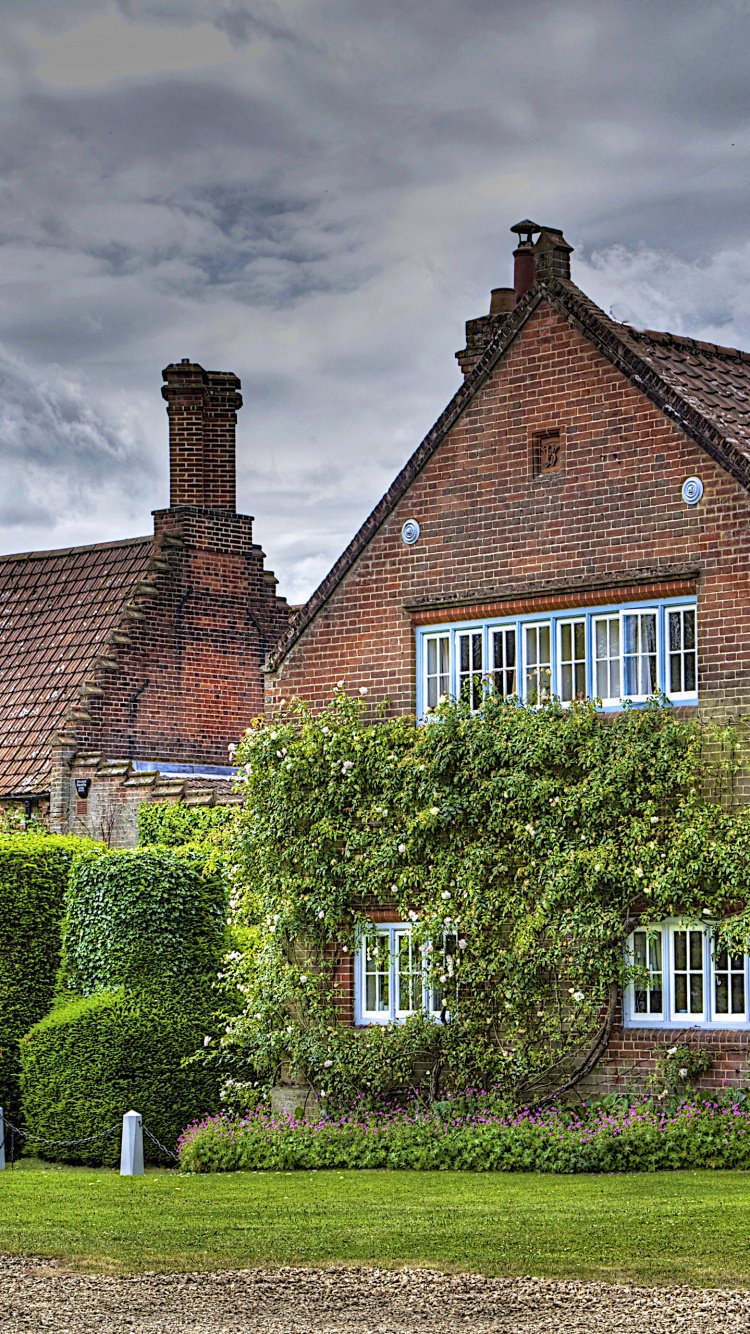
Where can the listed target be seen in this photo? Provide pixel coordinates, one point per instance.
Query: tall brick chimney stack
(202, 408)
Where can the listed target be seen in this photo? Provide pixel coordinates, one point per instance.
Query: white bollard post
(2, 1141)
(131, 1153)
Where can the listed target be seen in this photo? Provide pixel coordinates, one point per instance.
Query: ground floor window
(391, 975)
(685, 980)
(608, 653)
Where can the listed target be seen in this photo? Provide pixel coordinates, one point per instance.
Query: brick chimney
(202, 408)
(552, 255)
(548, 258)
(480, 332)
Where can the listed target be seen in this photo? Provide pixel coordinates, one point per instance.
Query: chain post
(2, 1141)
(131, 1152)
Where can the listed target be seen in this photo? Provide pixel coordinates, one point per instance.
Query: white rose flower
(402, 847)
(434, 810)
(303, 977)
(321, 914)
(363, 690)
(683, 1072)
(327, 1064)
(445, 894)
(206, 1041)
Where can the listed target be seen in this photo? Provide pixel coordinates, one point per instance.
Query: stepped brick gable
(130, 666)
(577, 520)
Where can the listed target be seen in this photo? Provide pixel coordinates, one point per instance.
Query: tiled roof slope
(703, 387)
(56, 610)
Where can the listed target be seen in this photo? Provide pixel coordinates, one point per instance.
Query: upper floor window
(685, 980)
(391, 976)
(608, 653)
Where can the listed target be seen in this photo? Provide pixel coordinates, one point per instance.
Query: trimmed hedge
(96, 1057)
(33, 878)
(171, 826)
(140, 913)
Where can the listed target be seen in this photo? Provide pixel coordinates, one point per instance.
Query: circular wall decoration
(410, 532)
(692, 491)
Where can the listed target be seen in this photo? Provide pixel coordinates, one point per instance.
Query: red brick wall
(632, 1054)
(199, 645)
(491, 531)
(495, 538)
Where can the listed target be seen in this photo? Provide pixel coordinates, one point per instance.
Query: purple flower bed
(475, 1136)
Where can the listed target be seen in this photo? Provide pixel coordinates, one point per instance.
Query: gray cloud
(318, 203)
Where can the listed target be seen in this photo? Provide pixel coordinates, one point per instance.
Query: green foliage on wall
(173, 825)
(33, 878)
(136, 914)
(96, 1057)
(523, 844)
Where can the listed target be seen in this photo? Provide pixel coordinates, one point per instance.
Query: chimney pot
(523, 271)
(502, 300)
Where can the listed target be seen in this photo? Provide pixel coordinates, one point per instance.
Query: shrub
(96, 1057)
(139, 913)
(697, 1134)
(33, 877)
(174, 825)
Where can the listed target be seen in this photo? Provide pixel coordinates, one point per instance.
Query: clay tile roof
(712, 379)
(56, 610)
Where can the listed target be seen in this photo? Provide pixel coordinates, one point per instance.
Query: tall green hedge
(177, 824)
(138, 913)
(143, 938)
(33, 878)
(96, 1057)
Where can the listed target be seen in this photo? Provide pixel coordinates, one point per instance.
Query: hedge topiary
(143, 938)
(96, 1057)
(33, 878)
(171, 826)
(137, 913)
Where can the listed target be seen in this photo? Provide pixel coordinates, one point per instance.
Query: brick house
(576, 521)
(128, 666)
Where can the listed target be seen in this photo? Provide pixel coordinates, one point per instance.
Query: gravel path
(40, 1296)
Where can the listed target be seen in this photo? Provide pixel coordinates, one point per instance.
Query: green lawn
(678, 1227)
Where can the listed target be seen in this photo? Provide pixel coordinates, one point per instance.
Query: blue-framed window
(685, 981)
(390, 976)
(612, 653)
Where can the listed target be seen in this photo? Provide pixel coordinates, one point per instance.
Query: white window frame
(555, 620)
(709, 1018)
(572, 622)
(392, 933)
(441, 640)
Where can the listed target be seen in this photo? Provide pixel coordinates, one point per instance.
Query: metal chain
(161, 1146)
(38, 1139)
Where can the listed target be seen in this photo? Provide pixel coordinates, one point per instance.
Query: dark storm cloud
(316, 195)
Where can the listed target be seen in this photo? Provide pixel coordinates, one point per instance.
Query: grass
(672, 1227)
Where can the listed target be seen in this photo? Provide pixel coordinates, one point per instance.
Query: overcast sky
(316, 194)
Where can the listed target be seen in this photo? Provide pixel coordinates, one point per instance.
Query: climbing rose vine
(523, 844)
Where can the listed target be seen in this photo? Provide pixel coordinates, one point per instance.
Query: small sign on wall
(82, 787)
